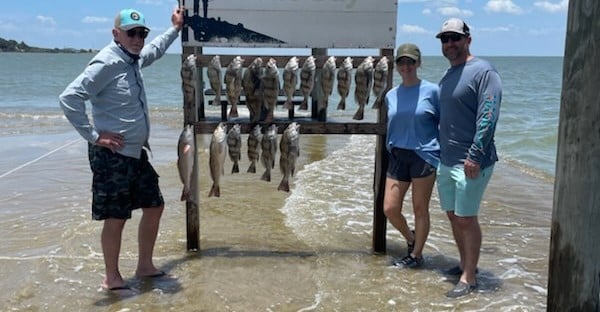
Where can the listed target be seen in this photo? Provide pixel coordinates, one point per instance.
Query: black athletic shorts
(405, 165)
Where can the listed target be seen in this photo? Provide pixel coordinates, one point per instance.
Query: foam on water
(334, 191)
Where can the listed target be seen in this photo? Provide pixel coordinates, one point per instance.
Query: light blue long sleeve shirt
(113, 84)
(413, 116)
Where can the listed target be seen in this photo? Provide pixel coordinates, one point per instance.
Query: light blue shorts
(459, 193)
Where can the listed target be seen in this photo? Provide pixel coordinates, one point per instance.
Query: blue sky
(498, 27)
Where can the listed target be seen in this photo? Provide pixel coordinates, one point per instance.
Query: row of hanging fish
(261, 83)
(261, 147)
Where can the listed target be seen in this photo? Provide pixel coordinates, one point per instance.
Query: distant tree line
(14, 46)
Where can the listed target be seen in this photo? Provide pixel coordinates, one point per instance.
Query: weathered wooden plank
(574, 268)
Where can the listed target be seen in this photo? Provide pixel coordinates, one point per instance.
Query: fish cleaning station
(318, 27)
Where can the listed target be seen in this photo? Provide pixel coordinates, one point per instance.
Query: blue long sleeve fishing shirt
(470, 96)
(113, 84)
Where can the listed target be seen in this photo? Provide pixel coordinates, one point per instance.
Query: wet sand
(250, 259)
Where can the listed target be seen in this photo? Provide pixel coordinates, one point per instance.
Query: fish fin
(252, 168)
(360, 113)
(304, 104)
(342, 105)
(266, 176)
(377, 103)
(233, 112)
(284, 186)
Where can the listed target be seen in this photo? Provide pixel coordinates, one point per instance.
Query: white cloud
(502, 6)
(94, 20)
(454, 11)
(551, 7)
(46, 20)
(426, 12)
(412, 29)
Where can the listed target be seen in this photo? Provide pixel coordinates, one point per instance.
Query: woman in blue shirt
(413, 151)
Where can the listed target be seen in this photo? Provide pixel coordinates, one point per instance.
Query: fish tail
(266, 176)
(252, 168)
(235, 168)
(377, 103)
(323, 103)
(215, 191)
(269, 116)
(217, 99)
(304, 104)
(359, 115)
(288, 104)
(233, 112)
(342, 104)
(284, 185)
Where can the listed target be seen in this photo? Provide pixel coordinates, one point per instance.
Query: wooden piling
(574, 268)
(379, 219)
(190, 117)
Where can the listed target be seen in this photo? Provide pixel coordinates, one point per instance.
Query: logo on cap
(135, 16)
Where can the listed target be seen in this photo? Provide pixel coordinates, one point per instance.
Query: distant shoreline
(22, 47)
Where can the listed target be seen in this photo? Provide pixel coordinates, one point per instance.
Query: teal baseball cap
(129, 18)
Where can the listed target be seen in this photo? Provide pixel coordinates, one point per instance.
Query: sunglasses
(142, 33)
(453, 37)
(405, 61)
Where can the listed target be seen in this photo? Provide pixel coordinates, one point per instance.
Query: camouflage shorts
(121, 184)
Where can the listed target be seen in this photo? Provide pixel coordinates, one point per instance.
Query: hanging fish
(269, 150)
(233, 84)
(185, 160)
(363, 78)
(218, 150)
(380, 81)
(327, 77)
(254, 140)
(270, 87)
(290, 80)
(214, 78)
(189, 76)
(289, 152)
(344, 79)
(251, 81)
(307, 80)
(234, 144)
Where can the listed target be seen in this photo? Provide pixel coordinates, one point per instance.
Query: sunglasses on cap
(142, 33)
(453, 37)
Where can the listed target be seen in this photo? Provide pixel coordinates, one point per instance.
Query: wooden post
(574, 269)
(379, 220)
(190, 116)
